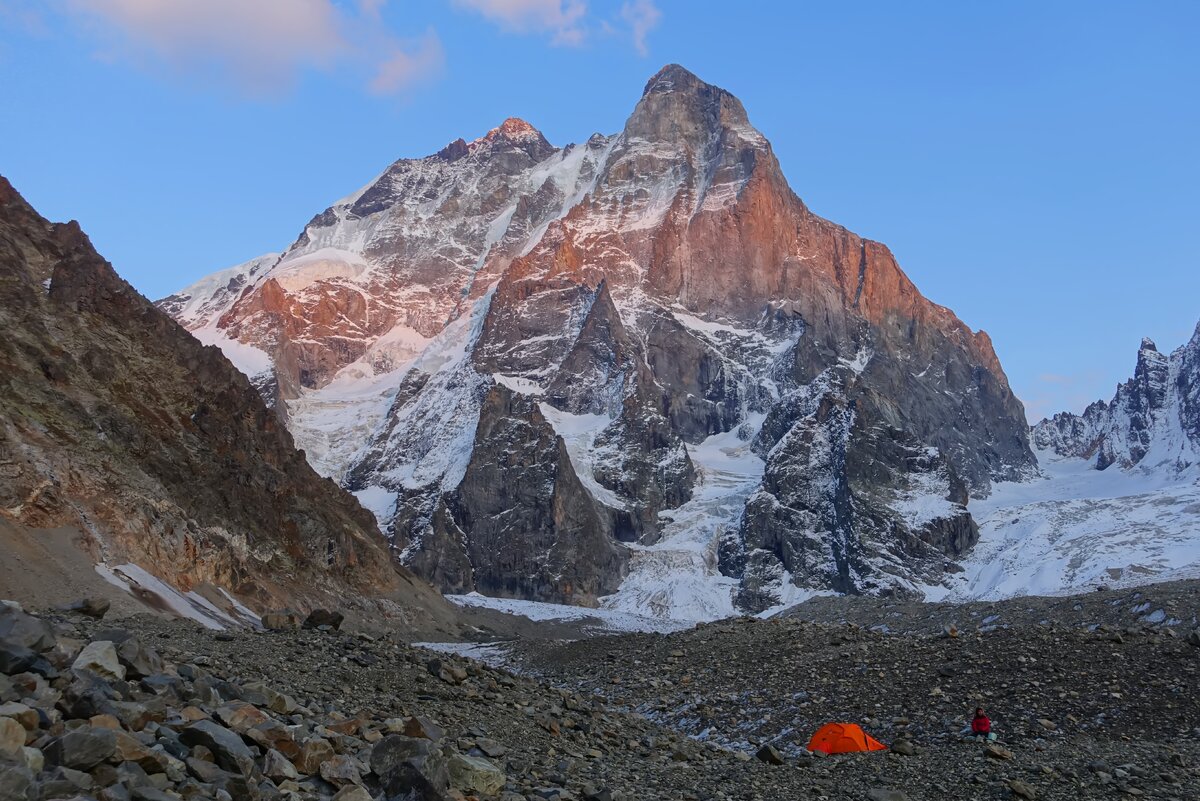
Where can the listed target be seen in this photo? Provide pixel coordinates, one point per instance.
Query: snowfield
(1079, 527)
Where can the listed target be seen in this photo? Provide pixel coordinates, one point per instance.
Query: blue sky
(1034, 166)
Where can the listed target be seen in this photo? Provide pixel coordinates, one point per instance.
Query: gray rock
(82, 748)
(230, 752)
(20, 628)
(769, 754)
(410, 765)
(15, 780)
(139, 660)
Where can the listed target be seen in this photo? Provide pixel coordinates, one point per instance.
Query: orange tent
(842, 738)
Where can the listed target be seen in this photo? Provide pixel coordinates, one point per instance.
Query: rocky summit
(561, 374)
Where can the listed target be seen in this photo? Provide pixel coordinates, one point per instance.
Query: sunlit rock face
(702, 367)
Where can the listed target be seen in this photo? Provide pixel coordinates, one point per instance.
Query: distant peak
(514, 128)
(670, 78)
(1148, 344)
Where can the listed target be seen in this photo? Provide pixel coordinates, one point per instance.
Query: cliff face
(115, 420)
(684, 325)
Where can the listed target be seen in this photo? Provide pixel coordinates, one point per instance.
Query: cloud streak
(642, 16)
(261, 46)
(562, 19)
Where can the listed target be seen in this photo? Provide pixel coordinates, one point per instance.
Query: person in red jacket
(981, 725)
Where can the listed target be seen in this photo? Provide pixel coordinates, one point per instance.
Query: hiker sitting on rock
(981, 725)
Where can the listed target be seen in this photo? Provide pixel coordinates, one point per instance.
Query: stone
(410, 765)
(15, 781)
(281, 620)
(273, 734)
(1193, 637)
(475, 774)
(340, 770)
(997, 751)
(94, 607)
(446, 671)
(82, 748)
(324, 617)
(26, 716)
(35, 760)
(277, 767)
(1021, 789)
(100, 657)
(227, 748)
(12, 738)
(313, 752)
(15, 658)
(886, 794)
(352, 792)
(138, 659)
(769, 754)
(20, 628)
(904, 748)
(417, 726)
(490, 748)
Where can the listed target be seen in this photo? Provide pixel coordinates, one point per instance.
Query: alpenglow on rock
(636, 371)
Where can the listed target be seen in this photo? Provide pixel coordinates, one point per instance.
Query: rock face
(523, 358)
(115, 420)
(1152, 422)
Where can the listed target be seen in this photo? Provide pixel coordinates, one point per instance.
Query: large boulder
(81, 749)
(100, 657)
(410, 767)
(470, 773)
(324, 617)
(228, 749)
(19, 628)
(138, 659)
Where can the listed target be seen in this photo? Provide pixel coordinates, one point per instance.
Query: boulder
(81, 749)
(16, 658)
(100, 657)
(277, 767)
(417, 726)
(769, 754)
(91, 607)
(340, 771)
(15, 781)
(19, 628)
(324, 617)
(313, 752)
(281, 620)
(469, 773)
(227, 748)
(412, 766)
(138, 659)
(12, 738)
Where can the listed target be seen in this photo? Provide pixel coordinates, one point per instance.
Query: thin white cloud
(404, 68)
(259, 45)
(563, 19)
(642, 16)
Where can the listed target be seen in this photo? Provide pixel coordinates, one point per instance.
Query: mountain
(1117, 498)
(117, 422)
(1153, 421)
(637, 372)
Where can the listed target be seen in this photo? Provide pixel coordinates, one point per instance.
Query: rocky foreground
(152, 709)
